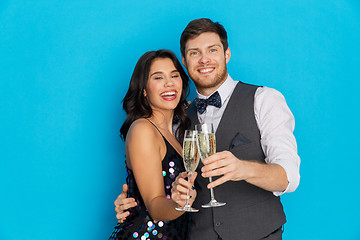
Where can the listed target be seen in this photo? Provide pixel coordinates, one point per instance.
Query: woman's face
(164, 87)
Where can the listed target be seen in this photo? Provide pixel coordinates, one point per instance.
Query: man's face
(206, 62)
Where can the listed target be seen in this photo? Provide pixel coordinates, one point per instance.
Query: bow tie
(214, 100)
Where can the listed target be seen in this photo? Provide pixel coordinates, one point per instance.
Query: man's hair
(199, 26)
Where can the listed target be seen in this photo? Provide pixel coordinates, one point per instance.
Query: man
(256, 159)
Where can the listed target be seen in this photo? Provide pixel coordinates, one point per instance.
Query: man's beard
(220, 78)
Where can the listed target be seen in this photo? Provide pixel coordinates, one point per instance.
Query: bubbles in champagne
(191, 158)
(207, 144)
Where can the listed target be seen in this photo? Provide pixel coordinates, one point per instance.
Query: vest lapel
(228, 114)
(192, 114)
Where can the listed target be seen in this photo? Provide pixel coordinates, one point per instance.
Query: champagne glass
(191, 161)
(207, 146)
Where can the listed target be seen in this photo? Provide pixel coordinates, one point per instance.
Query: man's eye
(193, 53)
(213, 50)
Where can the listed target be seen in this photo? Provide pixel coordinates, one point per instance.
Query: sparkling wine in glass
(191, 161)
(207, 146)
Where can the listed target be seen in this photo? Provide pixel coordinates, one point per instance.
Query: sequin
(139, 224)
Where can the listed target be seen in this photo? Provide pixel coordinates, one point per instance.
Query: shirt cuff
(292, 174)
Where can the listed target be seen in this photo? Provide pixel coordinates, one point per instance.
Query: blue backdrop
(65, 67)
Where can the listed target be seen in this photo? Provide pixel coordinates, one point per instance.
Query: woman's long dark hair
(134, 102)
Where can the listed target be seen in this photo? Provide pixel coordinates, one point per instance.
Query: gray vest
(250, 212)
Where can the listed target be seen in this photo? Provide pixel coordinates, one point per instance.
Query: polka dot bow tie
(214, 100)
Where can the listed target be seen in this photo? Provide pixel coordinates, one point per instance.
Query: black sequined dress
(139, 224)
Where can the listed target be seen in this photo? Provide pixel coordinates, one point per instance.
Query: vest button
(217, 224)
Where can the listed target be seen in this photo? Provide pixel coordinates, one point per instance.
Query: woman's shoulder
(142, 129)
(143, 140)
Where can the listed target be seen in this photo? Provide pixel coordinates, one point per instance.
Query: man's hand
(271, 177)
(180, 187)
(226, 164)
(122, 204)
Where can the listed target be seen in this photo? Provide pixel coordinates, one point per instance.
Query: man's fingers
(216, 172)
(122, 216)
(122, 204)
(218, 181)
(122, 201)
(216, 168)
(125, 188)
(123, 207)
(216, 157)
(124, 192)
(219, 163)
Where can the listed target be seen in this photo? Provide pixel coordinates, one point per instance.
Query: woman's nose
(169, 82)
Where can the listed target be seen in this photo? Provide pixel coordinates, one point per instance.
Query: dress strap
(167, 143)
(155, 127)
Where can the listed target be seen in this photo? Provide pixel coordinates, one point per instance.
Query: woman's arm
(145, 150)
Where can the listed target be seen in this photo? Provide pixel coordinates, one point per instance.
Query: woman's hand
(180, 187)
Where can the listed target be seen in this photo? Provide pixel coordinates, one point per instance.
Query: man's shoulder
(245, 89)
(267, 92)
(249, 85)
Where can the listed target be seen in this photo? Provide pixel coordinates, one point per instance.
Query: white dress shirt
(275, 122)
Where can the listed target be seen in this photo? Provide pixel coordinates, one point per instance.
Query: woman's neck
(163, 120)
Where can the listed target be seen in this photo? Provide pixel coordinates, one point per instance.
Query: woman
(156, 95)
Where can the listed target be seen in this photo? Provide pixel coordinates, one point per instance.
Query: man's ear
(183, 61)
(227, 55)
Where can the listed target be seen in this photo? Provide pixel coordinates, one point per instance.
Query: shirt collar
(224, 90)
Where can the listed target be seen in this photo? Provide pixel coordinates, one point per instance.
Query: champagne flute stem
(211, 190)
(188, 193)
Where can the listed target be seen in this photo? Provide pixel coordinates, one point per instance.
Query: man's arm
(271, 177)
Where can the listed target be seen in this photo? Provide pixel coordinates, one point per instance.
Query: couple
(256, 161)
